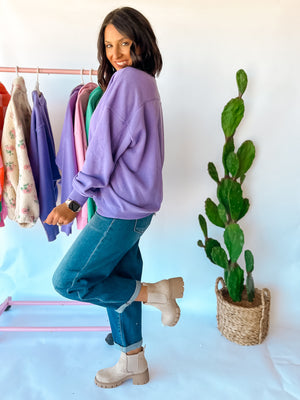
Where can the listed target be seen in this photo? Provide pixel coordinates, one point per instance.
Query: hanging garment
(19, 188)
(2, 215)
(66, 156)
(42, 158)
(1, 178)
(4, 100)
(94, 99)
(80, 140)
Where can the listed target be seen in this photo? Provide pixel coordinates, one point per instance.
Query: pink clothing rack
(8, 303)
(49, 71)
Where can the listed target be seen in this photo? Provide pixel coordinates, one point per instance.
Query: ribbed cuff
(74, 195)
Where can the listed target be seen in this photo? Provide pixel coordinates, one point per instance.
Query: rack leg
(5, 306)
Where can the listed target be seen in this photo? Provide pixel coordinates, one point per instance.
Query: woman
(123, 174)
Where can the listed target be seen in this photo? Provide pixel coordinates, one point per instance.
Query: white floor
(189, 361)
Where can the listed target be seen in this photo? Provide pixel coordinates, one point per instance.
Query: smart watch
(73, 205)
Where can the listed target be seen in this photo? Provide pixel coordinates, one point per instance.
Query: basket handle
(264, 293)
(219, 279)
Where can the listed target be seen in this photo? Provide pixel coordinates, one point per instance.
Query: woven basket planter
(244, 323)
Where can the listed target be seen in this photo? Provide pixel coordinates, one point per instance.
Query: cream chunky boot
(133, 367)
(163, 295)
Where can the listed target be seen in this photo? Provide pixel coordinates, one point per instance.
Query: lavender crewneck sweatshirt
(122, 171)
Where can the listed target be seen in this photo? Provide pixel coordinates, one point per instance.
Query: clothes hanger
(37, 84)
(81, 73)
(91, 76)
(17, 71)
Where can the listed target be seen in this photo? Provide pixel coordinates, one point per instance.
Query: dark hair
(137, 28)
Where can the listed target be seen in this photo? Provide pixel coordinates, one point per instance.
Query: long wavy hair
(131, 23)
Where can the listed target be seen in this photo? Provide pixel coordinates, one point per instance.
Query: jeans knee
(59, 284)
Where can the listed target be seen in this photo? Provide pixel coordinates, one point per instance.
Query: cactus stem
(230, 220)
(230, 266)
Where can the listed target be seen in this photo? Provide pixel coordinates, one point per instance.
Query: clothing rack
(8, 302)
(49, 71)
(6, 305)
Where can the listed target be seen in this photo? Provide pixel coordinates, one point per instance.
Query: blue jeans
(104, 267)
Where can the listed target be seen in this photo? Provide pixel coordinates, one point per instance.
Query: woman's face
(117, 48)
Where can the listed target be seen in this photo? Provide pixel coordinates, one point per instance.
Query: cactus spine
(232, 206)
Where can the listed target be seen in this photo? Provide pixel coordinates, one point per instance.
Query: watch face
(74, 206)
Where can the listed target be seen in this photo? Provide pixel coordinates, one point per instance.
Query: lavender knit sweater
(123, 166)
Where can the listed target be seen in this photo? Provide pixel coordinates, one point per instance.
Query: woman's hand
(60, 215)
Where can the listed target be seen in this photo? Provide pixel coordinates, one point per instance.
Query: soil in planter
(244, 302)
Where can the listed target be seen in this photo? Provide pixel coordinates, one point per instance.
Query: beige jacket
(19, 188)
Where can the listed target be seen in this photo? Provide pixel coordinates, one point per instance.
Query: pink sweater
(80, 139)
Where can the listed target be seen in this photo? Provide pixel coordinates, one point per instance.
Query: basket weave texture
(244, 323)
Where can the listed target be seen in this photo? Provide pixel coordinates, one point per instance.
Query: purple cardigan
(124, 159)
(66, 156)
(41, 153)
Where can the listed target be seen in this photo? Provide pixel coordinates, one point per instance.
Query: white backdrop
(203, 44)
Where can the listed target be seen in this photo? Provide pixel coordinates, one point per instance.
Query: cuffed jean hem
(129, 348)
(132, 298)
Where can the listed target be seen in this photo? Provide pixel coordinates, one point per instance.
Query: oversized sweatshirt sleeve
(108, 140)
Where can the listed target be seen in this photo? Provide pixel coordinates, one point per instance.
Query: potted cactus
(238, 295)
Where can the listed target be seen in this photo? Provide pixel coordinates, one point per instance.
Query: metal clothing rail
(49, 71)
(6, 305)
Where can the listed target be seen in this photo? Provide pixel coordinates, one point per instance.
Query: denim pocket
(142, 224)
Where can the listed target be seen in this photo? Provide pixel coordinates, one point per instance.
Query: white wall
(203, 44)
